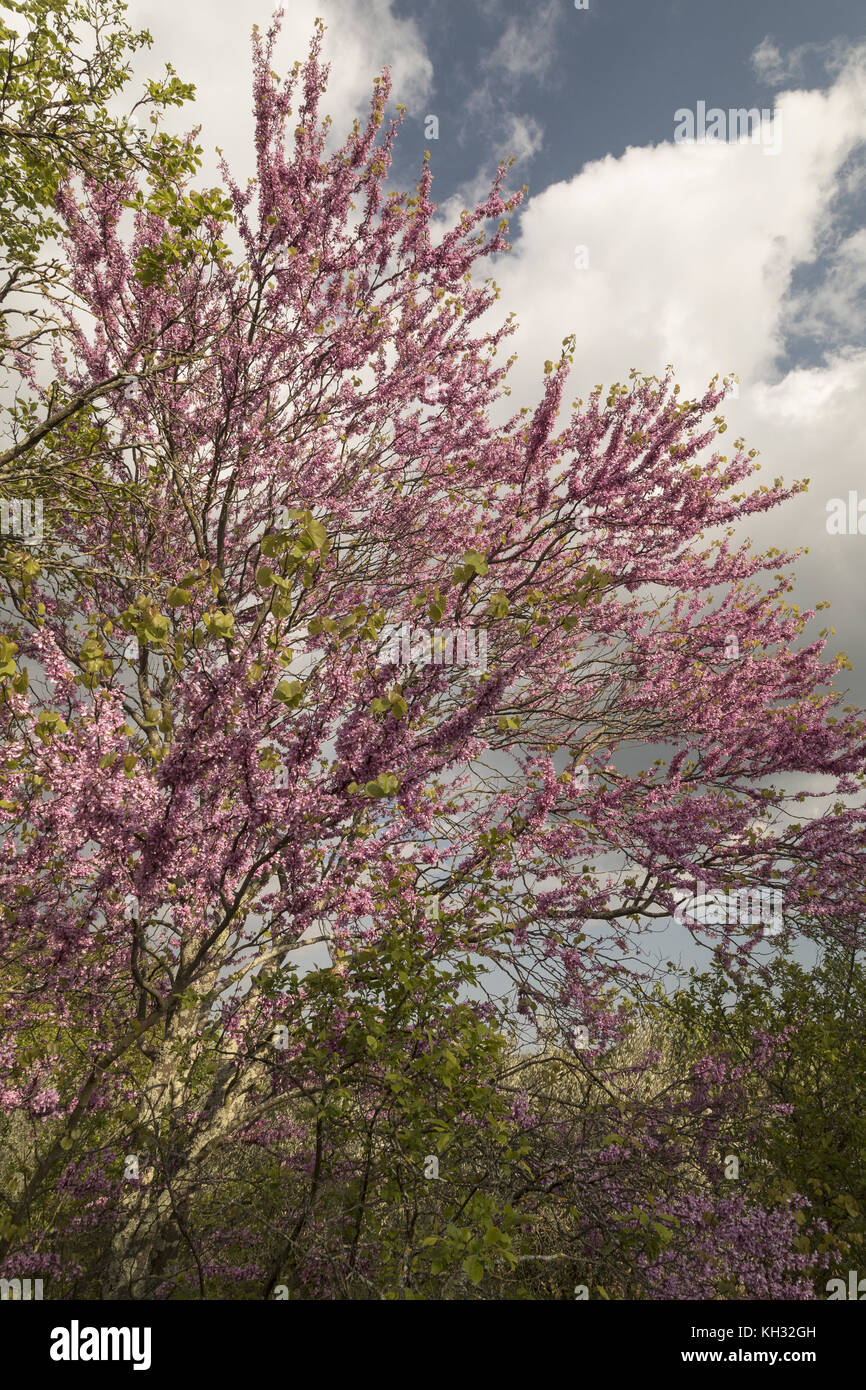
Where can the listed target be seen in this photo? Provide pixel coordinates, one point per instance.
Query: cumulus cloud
(688, 254)
(690, 248)
(208, 42)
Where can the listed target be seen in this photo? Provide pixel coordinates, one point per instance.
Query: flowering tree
(214, 763)
(62, 65)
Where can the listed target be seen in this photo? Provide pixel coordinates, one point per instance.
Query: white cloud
(691, 248)
(692, 251)
(524, 137)
(771, 65)
(809, 424)
(527, 48)
(208, 42)
(834, 310)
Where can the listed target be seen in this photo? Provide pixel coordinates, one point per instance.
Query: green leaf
(474, 560)
(317, 534)
(219, 624)
(50, 722)
(154, 628)
(289, 693)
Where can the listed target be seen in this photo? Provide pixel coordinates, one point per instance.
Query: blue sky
(595, 81)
